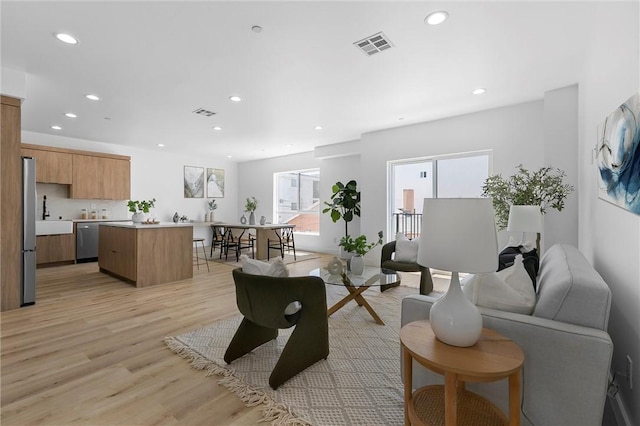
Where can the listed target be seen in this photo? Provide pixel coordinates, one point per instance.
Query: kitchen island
(146, 254)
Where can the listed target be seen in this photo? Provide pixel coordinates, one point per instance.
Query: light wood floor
(91, 352)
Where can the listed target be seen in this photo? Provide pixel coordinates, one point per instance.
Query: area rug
(288, 258)
(358, 384)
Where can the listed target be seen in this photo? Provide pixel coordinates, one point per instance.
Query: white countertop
(130, 224)
(100, 220)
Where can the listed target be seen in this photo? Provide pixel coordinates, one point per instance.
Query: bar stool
(204, 253)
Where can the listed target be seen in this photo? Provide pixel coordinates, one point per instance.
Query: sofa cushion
(570, 290)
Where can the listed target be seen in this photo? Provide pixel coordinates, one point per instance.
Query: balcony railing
(408, 223)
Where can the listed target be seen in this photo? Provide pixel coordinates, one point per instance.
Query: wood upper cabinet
(92, 175)
(101, 177)
(51, 166)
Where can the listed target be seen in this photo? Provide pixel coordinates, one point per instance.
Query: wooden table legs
(355, 294)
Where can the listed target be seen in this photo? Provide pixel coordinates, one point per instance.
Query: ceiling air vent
(204, 112)
(374, 44)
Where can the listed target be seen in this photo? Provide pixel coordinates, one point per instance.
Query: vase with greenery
(345, 203)
(359, 247)
(140, 208)
(544, 187)
(250, 206)
(212, 206)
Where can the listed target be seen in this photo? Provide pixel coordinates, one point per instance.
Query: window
(297, 196)
(411, 181)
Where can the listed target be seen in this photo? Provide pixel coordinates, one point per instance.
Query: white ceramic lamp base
(454, 320)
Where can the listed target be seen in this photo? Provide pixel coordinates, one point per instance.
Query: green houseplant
(544, 187)
(359, 244)
(345, 203)
(140, 208)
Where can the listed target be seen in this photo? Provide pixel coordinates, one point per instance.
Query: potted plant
(140, 209)
(250, 206)
(212, 206)
(345, 203)
(543, 187)
(359, 247)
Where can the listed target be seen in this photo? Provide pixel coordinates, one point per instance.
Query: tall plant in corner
(543, 187)
(345, 203)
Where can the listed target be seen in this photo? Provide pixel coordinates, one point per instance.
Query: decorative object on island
(458, 235)
(359, 248)
(215, 183)
(618, 153)
(345, 203)
(140, 209)
(243, 220)
(176, 217)
(193, 182)
(212, 207)
(544, 188)
(250, 207)
(525, 219)
(263, 220)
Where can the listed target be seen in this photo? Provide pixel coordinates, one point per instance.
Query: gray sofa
(565, 341)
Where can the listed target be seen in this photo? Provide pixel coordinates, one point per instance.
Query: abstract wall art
(618, 153)
(215, 183)
(193, 182)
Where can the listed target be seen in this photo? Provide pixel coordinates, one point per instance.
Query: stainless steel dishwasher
(86, 241)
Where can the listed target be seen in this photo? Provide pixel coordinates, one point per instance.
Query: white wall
(561, 151)
(154, 174)
(610, 235)
(514, 133)
(256, 179)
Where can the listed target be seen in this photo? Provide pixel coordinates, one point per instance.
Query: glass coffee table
(356, 285)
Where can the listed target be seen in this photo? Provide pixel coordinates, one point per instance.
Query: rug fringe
(272, 411)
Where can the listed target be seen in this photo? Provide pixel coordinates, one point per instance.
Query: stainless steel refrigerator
(28, 289)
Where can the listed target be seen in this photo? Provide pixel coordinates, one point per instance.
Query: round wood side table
(493, 357)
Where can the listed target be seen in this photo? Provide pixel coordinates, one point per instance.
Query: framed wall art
(618, 153)
(193, 182)
(215, 183)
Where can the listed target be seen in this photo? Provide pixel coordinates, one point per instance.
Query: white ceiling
(154, 62)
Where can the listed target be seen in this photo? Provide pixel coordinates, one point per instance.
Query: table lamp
(526, 219)
(458, 235)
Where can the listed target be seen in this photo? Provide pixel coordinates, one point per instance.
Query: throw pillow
(406, 249)
(275, 268)
(531, 260)
(507, 290)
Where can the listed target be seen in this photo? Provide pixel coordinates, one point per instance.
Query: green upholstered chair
(387, 262)
(263, 300)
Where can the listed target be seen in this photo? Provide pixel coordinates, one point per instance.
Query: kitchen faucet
(45, 213)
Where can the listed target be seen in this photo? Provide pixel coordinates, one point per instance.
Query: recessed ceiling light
(235, 98)
(436, 18)
(318, 128)
(160, 145)
(70, 115)
(56, 127)
(92, 97)
(289, 145)
(479, 91)
(229, 156)
(256, 29)
(66, 38)
(217, 128)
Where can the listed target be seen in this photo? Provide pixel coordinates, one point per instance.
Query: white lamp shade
(458, 234)
(525, 219)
